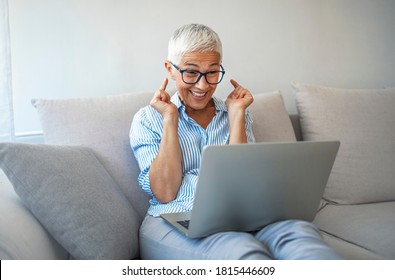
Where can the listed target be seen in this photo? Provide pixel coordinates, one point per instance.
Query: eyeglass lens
(192, 77)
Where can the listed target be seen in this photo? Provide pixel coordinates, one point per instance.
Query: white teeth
(198, 94)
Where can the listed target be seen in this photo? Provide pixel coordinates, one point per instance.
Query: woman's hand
(161, 102)
(239, 99)
(237, 102)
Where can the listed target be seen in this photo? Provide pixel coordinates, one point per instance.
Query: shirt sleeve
(145, 141)
(250, 133)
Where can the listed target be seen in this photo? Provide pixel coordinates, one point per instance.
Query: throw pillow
(364, 122)
(74, 198)
(271, 119)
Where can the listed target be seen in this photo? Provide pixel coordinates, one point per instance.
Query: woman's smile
(198, 94)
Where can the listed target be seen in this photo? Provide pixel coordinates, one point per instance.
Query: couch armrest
(21, 235)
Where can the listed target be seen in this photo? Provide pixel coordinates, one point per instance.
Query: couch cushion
(370, 226)
(364, 121)
(349, 250)
(102, 123)
(15, 221)
(69, 191)
(271, 119)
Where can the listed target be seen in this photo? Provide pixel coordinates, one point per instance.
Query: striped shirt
(145, 137)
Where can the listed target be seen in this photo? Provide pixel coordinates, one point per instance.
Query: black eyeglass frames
(193, 76)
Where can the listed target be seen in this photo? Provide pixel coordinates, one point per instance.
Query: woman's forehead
(198, 58)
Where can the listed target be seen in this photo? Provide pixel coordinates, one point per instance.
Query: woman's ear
(169, 69)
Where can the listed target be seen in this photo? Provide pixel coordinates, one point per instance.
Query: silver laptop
(245, 187)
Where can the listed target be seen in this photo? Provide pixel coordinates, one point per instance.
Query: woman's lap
(159, 240)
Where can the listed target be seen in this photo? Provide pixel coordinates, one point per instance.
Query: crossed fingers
(239, 91)
(161, 94)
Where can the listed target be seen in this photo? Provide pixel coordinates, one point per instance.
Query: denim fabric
(292, 239)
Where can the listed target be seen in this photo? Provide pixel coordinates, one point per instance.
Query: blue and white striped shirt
(145, 137)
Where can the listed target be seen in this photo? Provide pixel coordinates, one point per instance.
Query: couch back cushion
(103, 124)
(271, 119)
(364, 122)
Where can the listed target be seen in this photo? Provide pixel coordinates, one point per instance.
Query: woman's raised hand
(161, 101)
(239, 98)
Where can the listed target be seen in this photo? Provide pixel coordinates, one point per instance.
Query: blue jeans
(292, 239)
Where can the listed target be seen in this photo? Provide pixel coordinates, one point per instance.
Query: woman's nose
(202, 83)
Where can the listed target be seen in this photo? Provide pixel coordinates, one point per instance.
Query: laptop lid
(245, 187)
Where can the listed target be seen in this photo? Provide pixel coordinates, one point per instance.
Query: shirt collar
(219, 103)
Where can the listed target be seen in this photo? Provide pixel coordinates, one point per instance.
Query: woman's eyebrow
(195, 65)
(191, 64)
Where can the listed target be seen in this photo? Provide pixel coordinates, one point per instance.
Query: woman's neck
(203, 116)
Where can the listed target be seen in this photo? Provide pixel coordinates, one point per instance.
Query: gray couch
(76, 196)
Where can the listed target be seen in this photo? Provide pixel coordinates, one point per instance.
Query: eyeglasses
(193, 76)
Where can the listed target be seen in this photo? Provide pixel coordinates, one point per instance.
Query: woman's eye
(191, 73)
(213, 73)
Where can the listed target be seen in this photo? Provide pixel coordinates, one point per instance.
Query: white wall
(75, 48)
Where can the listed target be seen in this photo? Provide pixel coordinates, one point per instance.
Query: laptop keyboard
(184, 223)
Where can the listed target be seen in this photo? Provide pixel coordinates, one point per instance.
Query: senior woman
(167, 138)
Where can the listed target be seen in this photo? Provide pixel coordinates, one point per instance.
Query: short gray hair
(193, 38)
